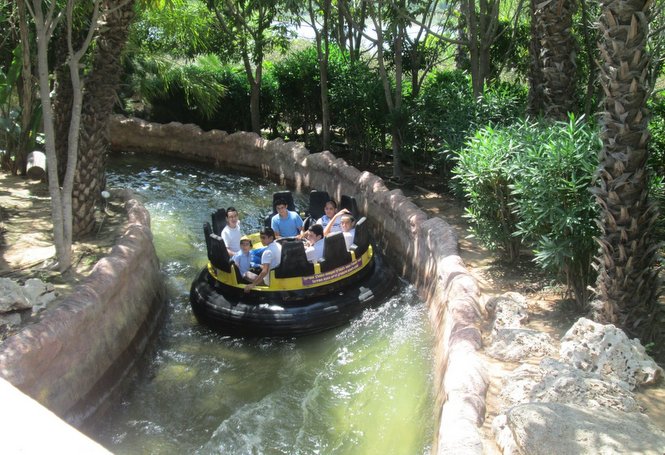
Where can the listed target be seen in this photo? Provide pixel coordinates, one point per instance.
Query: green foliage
(299, 93)
(484, 168)
(657, 129)
(181, 28)
(657, 195)
(357, 105)
(529, 183)
(556, 211)
(10, 115)
(178, 90)
(445, 114)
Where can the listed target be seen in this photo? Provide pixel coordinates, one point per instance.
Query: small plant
(484, 171)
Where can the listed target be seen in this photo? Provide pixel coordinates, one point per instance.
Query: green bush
(357, 106)
(445, 114)
(298, 103)
(484, 168)
(657, 129)
(528, 183)
(556, 211)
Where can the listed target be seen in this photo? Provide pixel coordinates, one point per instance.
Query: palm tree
(535, 102)
(628, 278)
(554, 20)
(100, 96)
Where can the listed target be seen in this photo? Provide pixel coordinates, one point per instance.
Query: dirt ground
(26, 250)
(26, 238)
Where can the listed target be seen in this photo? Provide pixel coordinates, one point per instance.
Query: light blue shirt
(243, 261)
(287, 227)
(325, 219)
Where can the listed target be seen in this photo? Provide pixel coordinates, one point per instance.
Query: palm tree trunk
(535, 100)
(100, 96)
(628, 279)
(554, 20)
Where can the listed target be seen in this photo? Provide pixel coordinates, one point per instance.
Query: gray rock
(512, 345)
(10, 319)
(509, 311)
(34, 294)
(34, 288)
(546, 428)
(12, 297)
(606, 350)
(553, 381)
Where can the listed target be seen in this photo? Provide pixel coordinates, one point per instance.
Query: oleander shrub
(657, 129)
(557, 213)
(527, 184)
(485, 172)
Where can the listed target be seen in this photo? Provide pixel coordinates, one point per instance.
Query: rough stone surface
(12, 297)
(510, 311)
(509, 341)
(554, 381)
(33, 294)
(606, 350)
(546, 428)
(77, 353)
(512, 345)
(9, 320)
(566, 403)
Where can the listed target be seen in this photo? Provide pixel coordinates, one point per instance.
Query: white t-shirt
(231, 237)
(348, 237)
(315, 252)
(273, 256)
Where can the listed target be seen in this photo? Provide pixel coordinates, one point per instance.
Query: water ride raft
(302, 298)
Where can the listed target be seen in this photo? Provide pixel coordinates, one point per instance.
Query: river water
(364, 388)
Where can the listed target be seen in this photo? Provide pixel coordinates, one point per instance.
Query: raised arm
(326, 231)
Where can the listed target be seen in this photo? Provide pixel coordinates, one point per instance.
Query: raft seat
(334, 252)
(217, 252)
(294, 261)
(218, 221)
(349, 203)
(360, 238)
(317, 203)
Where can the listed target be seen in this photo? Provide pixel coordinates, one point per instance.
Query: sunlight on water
(359, 389)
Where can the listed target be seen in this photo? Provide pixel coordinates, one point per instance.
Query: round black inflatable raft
(364, 282)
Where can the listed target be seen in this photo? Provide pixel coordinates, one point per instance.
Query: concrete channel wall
(425, 251)
(80, 351)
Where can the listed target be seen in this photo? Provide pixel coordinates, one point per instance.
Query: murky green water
(360, 389)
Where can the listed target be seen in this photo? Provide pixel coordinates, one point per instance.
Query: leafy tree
(358, 106)
(390, 26)
(61, 197)
(180, 28)
(252, 26)
(19, 115)
(323, 10)
(299, 99)
(350, 26)
(182, 90)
